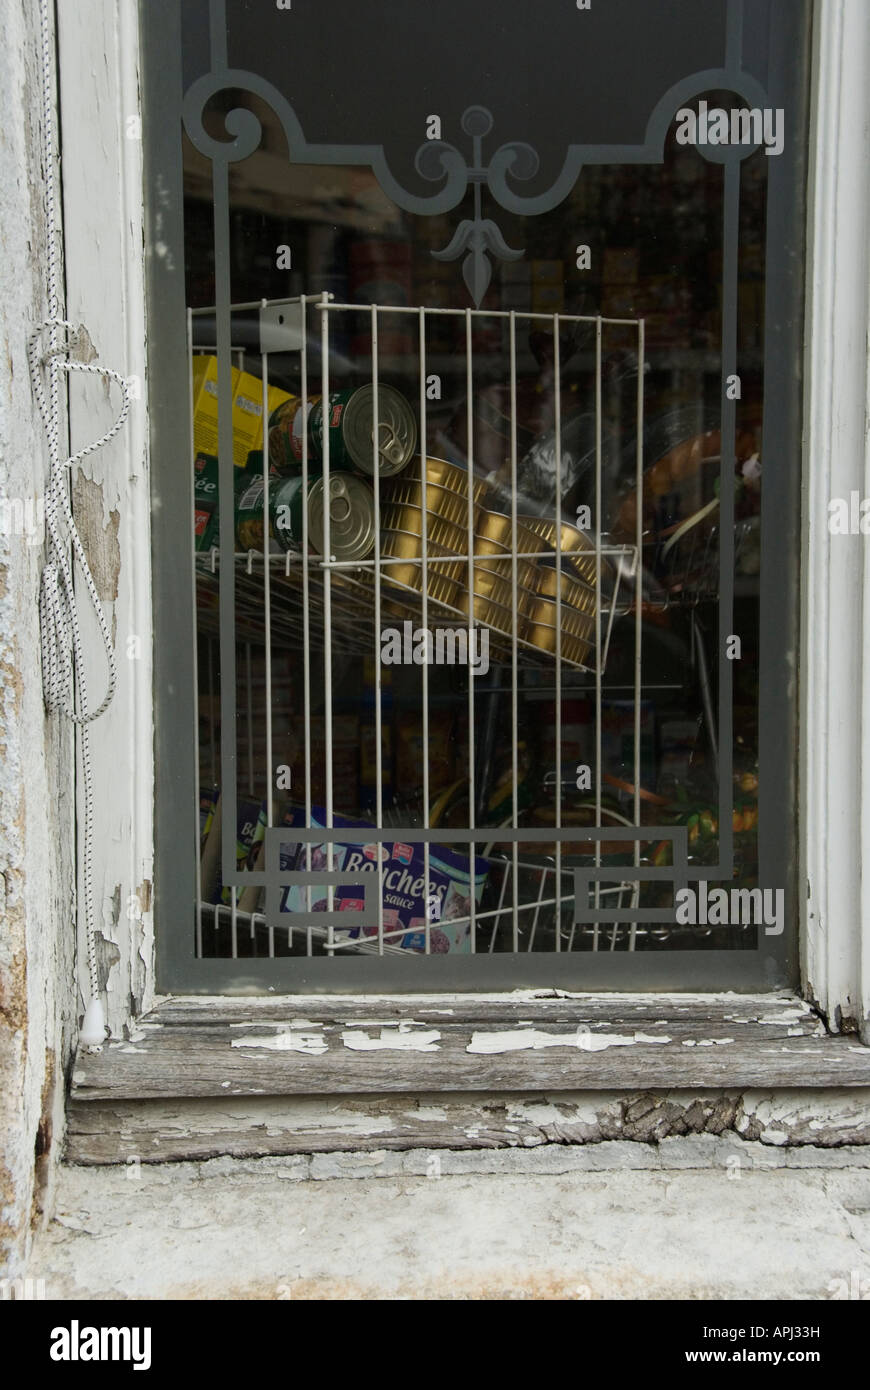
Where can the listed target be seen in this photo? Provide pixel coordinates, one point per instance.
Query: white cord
(64, 685)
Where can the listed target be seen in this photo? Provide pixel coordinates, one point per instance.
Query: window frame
(108, 292)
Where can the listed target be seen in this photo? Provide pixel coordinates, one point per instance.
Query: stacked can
(351, 516)
(350, 421)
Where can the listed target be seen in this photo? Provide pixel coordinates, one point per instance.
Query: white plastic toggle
(93, 1030)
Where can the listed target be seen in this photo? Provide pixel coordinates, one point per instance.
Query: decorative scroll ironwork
(437, 160)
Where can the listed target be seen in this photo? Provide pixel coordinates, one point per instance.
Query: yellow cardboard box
(247, 405)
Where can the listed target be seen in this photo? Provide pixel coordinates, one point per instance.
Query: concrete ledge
(697, 1217)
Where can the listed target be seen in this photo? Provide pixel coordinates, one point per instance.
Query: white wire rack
(325, 610)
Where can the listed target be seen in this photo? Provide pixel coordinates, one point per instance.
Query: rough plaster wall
(36, 794)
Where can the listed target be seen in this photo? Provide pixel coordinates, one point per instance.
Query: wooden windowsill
(199, 1047)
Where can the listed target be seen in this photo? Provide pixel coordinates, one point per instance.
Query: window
(585, 259)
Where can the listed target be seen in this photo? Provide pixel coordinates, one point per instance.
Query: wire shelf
(326, 609)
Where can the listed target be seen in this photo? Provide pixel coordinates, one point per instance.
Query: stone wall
(37, 899)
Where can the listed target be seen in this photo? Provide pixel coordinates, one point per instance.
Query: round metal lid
(351, 517)
(397, 430)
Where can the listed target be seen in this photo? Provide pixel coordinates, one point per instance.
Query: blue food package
(404, 888)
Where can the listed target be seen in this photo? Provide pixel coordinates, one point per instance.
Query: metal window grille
(325, 609)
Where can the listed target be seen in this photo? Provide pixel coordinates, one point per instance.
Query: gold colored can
(406, 517)
(441, 503)
(442, 593)
(543, 635)
(494, 615)
(574, 543)
(526, 600)
(574, 592)
(491, 586)
(542, 612)
(447, 475)
(443, 590)
(492, 555)
(496, 527)
(398, 544)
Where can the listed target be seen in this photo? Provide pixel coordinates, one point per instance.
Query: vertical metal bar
(379, 755)
(424, 553)
(557, 375)
(469, 386)
(212, 749)
(496, 923)
(638, 606)
(544, 871)
(598, 670)
(196, 721)
(515, 810)
(727, 470)
(267, 594)
(249, 717)
(326, 540)
(226, 490)
(306, 618)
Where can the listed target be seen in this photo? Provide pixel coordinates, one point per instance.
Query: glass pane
(509, 627)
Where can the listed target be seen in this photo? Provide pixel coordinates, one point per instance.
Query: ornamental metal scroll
(437, 161)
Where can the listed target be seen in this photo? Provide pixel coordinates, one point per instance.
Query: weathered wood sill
(203, 1058)
(307, 1046)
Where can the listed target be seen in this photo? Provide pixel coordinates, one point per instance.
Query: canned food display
(350, 510)
(573, 591)
(542, 611)
(351, 430)
(351, 516)
(511, 586)
(350, 416)
(496, 526)
(452, 476)
(397, 544)
(286, 428)
(575, 544)
(441, 502)
(206, 510)
(249, 514)
(408, 518)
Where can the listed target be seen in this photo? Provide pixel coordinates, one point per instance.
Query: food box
(404, 887)
(250, 830)
(247, 409)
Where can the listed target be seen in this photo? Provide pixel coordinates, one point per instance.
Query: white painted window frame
(834, 779)
(98, 46)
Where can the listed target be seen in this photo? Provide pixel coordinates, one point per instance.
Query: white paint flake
(311, 1043)
(524, 1039)
(293, 1023)
(786, 1016)
(401, 1039)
